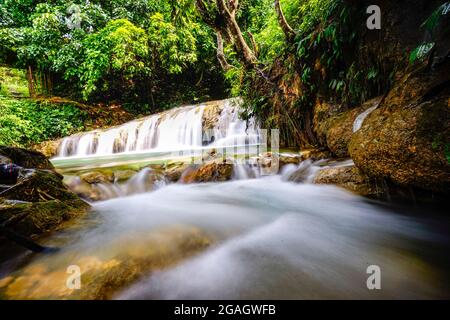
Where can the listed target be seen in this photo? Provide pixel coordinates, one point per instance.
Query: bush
(25, 122)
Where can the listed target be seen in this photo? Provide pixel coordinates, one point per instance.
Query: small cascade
(176, 129)
(357, 124)
(143, 181)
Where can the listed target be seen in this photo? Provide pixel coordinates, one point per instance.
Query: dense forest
(279, 55)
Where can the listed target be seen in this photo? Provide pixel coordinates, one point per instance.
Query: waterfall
(176, 129)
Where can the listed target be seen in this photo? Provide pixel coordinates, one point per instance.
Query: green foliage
(13, 82)
(109, 49)
(174, 48)
(119, 49)
(24, 122)
(430, 24)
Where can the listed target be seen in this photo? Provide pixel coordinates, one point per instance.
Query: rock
(38, 201)
(314, 154)
(97, 177)
(123, 175)
(5, 160)
(214, 171)
(83, 189)
(407, 139)
(335, 129)
(349, 178)
(38, 186)
(286, 159)
(211, 114)
(32, 219)
(175, 170)
(132, 258)
(26, 158)
(48, 148)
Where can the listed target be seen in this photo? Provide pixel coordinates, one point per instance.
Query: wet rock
(26, 158)
(123, 175)
(350, 178)
(214, 171)
(174, 172)
(83, 189)
(314, 154)
(37, 186)
(97, 177)
(34, 218)
(406, 140)
(211, 114)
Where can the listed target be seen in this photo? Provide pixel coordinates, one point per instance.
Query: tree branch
(220, 54)
(247, 56)
(289, 32)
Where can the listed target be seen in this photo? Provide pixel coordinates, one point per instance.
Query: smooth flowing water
(255, 237)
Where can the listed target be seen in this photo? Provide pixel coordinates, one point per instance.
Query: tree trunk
(287, 29)
(247, 56)
(30, 82)
(220, 54)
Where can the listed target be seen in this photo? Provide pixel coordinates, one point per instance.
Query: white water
(357, 124)
(175, 129)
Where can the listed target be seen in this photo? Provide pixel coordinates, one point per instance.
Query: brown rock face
(210, 172)
(335, 129)
(407, 139)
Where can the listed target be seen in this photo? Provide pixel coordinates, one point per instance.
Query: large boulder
(37, 201)
(407, 139)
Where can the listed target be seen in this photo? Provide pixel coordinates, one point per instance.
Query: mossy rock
(26, 158)
(38, 186)
(405, 140)
(32, 219)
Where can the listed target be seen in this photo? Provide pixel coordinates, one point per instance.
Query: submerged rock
(103, 275)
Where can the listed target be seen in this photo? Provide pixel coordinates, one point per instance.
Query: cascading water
(175, 129)
(247, 238)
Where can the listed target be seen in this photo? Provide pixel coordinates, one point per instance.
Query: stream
(254, 237)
